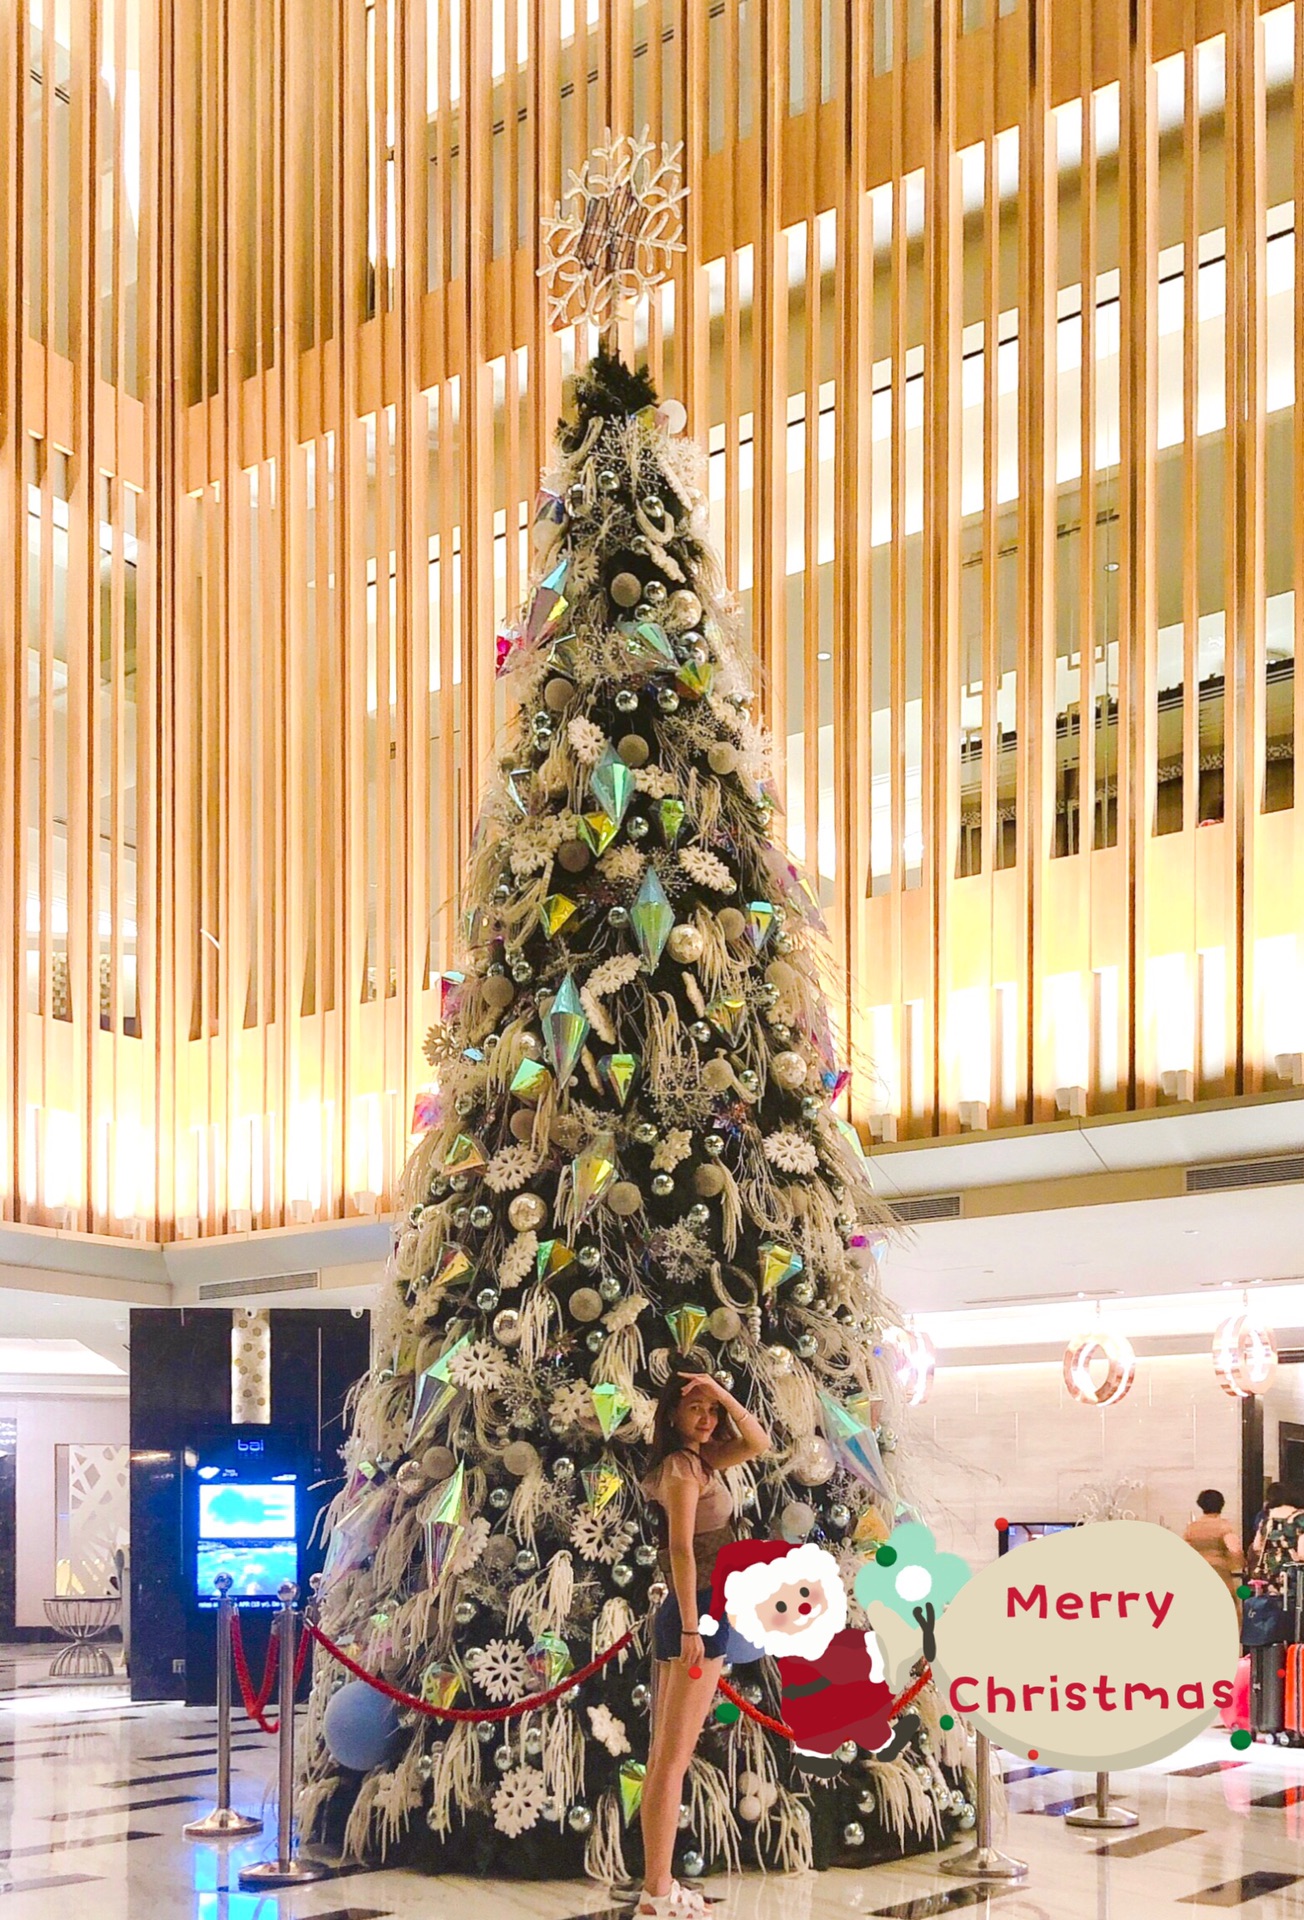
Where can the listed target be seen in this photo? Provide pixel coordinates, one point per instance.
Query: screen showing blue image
(1017, 1533)
(256, 1571)
(245, 1510)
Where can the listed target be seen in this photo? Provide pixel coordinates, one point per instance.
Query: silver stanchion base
(222, 1824)
(1114, 1816)
(985, 1863)
(280, 1873)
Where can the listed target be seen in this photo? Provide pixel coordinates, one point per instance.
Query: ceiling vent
(1245, 1173)
(211, 1290)
(928, 1206)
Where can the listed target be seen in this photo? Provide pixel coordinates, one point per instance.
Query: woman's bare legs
(681, 1707)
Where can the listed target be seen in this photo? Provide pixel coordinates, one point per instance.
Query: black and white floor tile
(94, 1793)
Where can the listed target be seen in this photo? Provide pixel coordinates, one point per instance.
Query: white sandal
(681, 1903)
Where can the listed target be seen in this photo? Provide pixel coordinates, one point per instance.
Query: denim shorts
(724, 1644)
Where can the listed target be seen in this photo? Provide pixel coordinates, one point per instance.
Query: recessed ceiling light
(1111, 566)
(823, 656)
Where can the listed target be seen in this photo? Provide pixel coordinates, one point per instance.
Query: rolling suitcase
(1267, 1690)
(1292, 1602)
(1293, 1703)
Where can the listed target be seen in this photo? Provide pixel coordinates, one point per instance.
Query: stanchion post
(983, 1861)
(222, 1823)
(284, 1870)
(1103, 1813)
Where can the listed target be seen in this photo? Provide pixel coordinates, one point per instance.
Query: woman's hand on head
(704, 1383)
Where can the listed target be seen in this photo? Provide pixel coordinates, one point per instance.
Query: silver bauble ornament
(579, 1818)
(640, 1697)
(789, 1069)
(503, 1758)
(487, 1299)
(589, 1257)
(693, 1865)
(464, 1612)
(853, 1834)
(507, 1327)
(847, 1752)
(626, 701)
(622, 1573)
(610, 1289)
(662, 1184)
(499, 1498)
(481, 1217)
(526, 1560)
(486, 1732)
(532, 1741)
(563, 1467)
(839, 1516)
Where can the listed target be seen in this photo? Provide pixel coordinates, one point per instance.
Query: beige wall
(43, 1424)
(1010, 1440)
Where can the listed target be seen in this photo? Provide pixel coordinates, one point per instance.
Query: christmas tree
(635, 1151)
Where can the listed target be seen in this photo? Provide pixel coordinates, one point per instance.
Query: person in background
(1214, 1540)
(1279, 1536)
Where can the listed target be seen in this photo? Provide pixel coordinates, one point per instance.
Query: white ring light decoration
(1244, 1356)
(914, 1361)
(1120, 1368)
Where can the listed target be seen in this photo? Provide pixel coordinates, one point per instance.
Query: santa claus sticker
(789, 1601)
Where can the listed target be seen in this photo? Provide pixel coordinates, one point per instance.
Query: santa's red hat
(739, 1558)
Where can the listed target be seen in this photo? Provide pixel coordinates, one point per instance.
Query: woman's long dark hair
(665, 1438)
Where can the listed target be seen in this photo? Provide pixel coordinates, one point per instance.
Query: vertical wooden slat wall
(275, 383)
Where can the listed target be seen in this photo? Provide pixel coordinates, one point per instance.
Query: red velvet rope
(575, 1679)
(508, 1712)
(255, 1704)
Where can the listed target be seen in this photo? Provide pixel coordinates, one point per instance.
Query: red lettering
(1034, 1603)
(1069, 1606)
(963, 1706)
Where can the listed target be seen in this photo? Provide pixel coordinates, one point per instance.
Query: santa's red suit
(831, 1674)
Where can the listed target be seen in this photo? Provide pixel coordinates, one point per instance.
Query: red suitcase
(1293, 1662)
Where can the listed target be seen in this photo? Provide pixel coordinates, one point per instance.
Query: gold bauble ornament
(527, 1211)
(558, 694)
(722, 757)
(633, 749)
(685, 944)
(498, 992)
(522, 1124)
(567, 1133)
(717, 1076)
(586, 1304)
(708, 1182)
(624, 1198)
(573, 856)
(725, 1323)
(731, 923)
(789, 1069)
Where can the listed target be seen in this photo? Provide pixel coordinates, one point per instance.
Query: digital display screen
(256, 1571)
(247, 1510)
(1019, 1532)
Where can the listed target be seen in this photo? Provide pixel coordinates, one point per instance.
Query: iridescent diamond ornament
(646, 641)
(555, 911)
(549, 602)
(565, 1029)
(435, 1394)
(519, 782)
(617, 1072)
(778, 1263)
(695, 678)
(612, 785)
(671, 813)
(465, 1155)
(550, 1659)
(611, 1405)
(601, 1485)
(597, 830)
(632, 1775)
(452, 1263)
(440, 1686)
(450, 993)
(529, 1080)
(727, 1013)
(427, 1110)
(850, 1433)
(651, 917)
(686, 1324)
(553, 1257)
(760, 922)
(592, 1172)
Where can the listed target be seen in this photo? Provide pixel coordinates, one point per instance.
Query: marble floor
(94, 1792)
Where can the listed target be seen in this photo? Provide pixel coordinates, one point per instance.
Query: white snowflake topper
(616, 240)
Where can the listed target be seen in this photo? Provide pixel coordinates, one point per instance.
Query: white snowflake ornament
(519, 1801)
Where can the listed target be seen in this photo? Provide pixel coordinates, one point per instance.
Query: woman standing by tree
(700, 1432)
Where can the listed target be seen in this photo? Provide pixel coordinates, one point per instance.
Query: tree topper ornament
(615, 241)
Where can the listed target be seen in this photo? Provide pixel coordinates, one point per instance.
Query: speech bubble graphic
(1107, 1646)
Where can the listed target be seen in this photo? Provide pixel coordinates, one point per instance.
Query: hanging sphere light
(1244, 1356)
(913, 1359)
(1119, 1362)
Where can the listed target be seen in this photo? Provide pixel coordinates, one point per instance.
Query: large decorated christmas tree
(635, 1152)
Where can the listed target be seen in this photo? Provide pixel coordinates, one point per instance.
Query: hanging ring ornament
(1120, 1367)
(913, 1359)
(1244, 1356)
